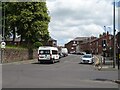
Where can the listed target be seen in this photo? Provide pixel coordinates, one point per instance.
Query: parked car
(46, 53)
(87, 58)
(81, 53)
(61, 55)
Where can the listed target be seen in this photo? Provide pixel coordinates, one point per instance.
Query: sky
(80, 18)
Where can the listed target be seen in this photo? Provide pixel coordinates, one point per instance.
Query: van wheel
(53, 61)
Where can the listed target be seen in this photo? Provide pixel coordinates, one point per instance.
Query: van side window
(44, 51)
(54, 52)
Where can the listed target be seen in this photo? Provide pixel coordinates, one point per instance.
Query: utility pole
(118, 42)
(3, 33)
(1, 22)
(114, 37)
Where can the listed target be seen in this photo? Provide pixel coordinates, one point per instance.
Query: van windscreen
(44, 51)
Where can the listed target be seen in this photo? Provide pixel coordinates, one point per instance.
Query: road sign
(3, 44)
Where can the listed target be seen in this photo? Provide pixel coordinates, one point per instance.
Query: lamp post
(3, 33)
(114, 37)
(118, 42)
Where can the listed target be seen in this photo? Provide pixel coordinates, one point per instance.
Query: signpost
(3, 44)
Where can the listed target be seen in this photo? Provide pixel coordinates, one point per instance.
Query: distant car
(61, 55)
(87, 58)
(81, 53)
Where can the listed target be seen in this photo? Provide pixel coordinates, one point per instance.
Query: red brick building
(52, 42)
(91, 44)
(72, 45)
(95, 45)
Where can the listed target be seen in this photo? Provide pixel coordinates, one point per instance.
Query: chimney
(107, 33)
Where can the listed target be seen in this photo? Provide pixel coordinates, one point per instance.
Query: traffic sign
(3, 44)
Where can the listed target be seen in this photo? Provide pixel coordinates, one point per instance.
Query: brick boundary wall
(13, 55)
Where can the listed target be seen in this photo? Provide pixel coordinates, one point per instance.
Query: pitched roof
(81, 38)
(51, 39)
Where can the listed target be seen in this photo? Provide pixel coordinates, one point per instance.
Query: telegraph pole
(114, 39)
(3, 33)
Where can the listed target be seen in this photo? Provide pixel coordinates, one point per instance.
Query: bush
(37, 44)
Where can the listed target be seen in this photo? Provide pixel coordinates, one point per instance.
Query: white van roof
(47, 47)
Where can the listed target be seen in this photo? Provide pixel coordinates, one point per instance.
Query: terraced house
(92, 44)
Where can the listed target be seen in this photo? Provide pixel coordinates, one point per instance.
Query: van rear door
(55, 54)
(44, 54)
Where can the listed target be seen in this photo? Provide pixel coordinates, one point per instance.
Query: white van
(46, 53)
(64, 51)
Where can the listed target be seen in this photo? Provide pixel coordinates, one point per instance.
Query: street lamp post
(3, 33)
(114, 37)
(118, 42)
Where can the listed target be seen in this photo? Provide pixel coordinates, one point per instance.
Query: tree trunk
(14, 35)
(30, 53)
(30, 50)
(21, 39)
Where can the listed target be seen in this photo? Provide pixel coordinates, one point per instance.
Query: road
(67, 73)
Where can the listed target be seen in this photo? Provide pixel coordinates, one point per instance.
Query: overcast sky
(76, 18)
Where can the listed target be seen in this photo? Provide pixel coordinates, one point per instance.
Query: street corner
(117, 81)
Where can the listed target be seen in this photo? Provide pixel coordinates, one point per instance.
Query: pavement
(108, 66)
(108, 63)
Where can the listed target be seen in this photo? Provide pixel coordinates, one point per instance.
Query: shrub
(37, 44)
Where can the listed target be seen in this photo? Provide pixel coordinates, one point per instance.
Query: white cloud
(75, 18)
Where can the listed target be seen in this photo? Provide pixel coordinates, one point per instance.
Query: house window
(110, 37)
(74, 42)
(97, 43)
(97, 50)
(72, 47)
(54, 43)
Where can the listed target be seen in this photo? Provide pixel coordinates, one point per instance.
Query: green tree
(31, 20)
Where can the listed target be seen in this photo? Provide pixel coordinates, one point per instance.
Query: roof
(47, 48)
(51, 39)
(81, 38)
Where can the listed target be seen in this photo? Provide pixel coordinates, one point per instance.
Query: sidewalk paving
(108, 66)
(108, 63)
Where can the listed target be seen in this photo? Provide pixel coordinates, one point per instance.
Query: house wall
(71, 46)
(95, 46)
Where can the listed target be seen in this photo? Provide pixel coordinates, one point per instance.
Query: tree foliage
(31, 20)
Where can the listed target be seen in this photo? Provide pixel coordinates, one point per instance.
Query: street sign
(3, 44)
